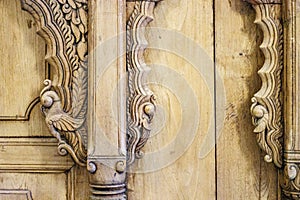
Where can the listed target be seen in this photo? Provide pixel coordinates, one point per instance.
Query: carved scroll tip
(120, 166)
(91, 167)
(268, 158)
(139, 154)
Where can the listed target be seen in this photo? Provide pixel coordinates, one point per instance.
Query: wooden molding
(26, 115)
(63, 25)
(290, 175)
(16, 194)
(12, 149)
(266, 106)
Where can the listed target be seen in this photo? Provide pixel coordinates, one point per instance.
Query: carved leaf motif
(76, 32)
(79, 91)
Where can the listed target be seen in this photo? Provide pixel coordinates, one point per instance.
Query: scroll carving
(63, 24)
(141, 101)
(290, 182)
(266, 106)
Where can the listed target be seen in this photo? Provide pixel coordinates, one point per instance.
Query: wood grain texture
(27, 55)
(241, 173)
(23, 54)
(41, 186)
(30, 165)
(169, 169)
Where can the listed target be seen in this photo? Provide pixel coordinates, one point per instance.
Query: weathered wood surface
(30, 165)
(238, 164)
(233, 169)
(177, 172)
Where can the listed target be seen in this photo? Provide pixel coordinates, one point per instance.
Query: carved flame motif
(266, 107)
(141, 106)
(63, 25)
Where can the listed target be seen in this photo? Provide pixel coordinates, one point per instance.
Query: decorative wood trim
(266, 106)
(141, 101)
(26, 115)
(11, 149)
(24, 193)
(290, 180)
(63, 25)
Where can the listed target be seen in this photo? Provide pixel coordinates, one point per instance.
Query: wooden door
(204, 56)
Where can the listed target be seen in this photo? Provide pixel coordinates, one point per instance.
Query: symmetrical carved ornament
(141, 101)
(266, 106)
(63, 25)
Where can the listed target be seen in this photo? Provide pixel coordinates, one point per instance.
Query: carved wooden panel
(22, 69)
(22, 64)
(29, 157)
(63, 25)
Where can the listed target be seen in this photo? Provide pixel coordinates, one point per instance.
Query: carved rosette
(63, 25)
(141, 105)
(266, 106)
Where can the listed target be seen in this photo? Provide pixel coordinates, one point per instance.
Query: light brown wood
(241, 171)
(290, 173)
(168, 167)
(21, 63)
(30, 165)
(203, 58)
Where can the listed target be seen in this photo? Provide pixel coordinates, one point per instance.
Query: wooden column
(121, 107)
(290, 182)
(107, 101)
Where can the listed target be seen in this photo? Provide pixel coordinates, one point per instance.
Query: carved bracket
(266, 106)
(63, 25)
(141, 101)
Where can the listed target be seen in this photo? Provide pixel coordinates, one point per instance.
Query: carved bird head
(48, 97)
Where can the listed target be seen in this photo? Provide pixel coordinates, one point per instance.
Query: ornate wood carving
(266, 104)
(63, 24)
(290, 180)
(141, 101)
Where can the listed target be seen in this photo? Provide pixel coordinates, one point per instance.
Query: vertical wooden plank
(241, 171)
(180, 28)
